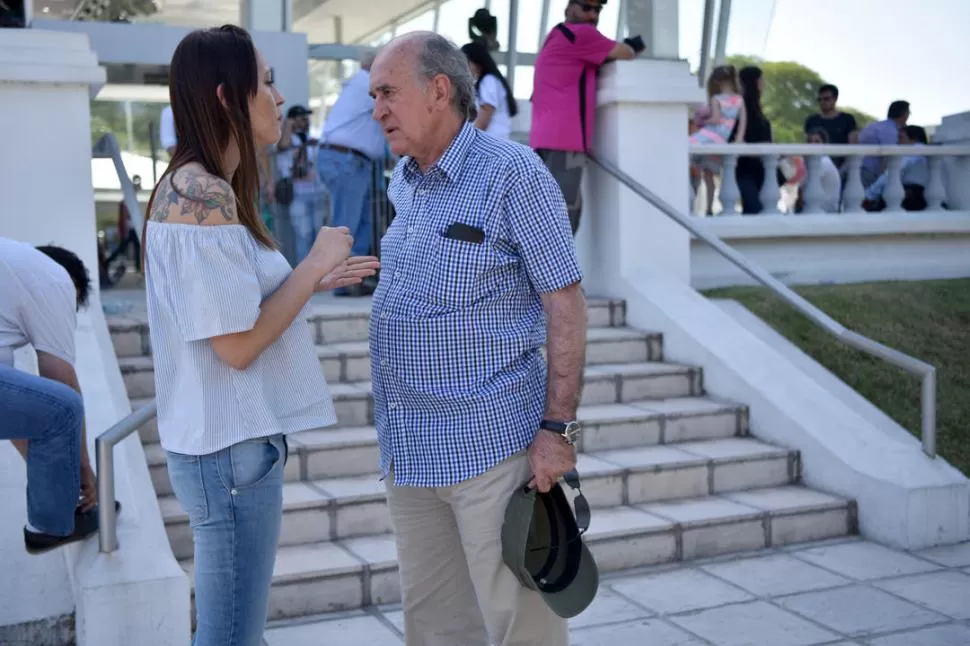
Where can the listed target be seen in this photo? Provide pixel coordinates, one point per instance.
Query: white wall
(814, 249)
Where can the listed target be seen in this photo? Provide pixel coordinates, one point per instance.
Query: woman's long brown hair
(204, 127)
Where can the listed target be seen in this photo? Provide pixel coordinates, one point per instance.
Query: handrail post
(107, 520)
(929, 412)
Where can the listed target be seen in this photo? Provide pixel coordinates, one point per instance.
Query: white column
(955, 129)
(47, 80)
(657, 21)
(641, 127)
(266, 15)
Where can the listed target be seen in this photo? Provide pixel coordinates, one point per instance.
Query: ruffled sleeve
(205, 276)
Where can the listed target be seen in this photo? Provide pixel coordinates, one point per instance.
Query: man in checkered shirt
(478, 269)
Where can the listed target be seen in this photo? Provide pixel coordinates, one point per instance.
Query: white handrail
(912, 365)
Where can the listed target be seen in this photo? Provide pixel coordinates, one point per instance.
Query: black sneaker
(85, 524)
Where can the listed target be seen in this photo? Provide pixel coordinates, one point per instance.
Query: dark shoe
(85, 524)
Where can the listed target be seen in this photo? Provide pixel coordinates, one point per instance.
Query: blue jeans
(306, 218)
(49, 415)
(348, 177)
(234, 500)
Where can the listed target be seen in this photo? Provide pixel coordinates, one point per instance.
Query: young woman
(496, 105)
(235, 364)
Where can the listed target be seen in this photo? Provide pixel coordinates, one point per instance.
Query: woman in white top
(236, 366)
(496, 105)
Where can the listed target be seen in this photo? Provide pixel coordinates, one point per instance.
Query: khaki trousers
(456, 590)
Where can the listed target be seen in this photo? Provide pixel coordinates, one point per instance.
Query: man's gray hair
(438, 55)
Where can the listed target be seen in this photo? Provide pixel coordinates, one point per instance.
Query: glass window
(527, 31)
(453, 19)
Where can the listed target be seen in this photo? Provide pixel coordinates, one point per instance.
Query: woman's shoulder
(192, 195)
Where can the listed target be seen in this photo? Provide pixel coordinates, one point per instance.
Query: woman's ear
(221, 94)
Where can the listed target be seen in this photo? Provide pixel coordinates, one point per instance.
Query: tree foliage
(109, 116)
(790, 96)
(116, 10)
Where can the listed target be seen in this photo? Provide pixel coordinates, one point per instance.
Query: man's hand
(550, 456)
(89, 487)
(349, 272)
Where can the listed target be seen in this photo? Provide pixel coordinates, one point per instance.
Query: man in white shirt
(41, 290)
(352, 152)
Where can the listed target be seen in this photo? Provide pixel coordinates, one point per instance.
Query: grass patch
(929, 320)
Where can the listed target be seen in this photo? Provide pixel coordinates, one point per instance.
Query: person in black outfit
(750, 172)
(838, 125)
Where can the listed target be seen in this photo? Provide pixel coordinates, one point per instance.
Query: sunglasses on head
(585, 6)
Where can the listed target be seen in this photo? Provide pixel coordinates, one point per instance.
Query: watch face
(573, 428)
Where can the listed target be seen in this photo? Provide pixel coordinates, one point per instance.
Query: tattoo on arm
(196, 195)
(566, 351)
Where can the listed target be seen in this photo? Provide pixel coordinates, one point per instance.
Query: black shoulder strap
(565, 31)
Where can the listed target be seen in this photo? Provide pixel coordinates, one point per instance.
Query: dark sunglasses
(585, 6)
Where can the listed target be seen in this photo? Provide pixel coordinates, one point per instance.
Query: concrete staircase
(671, 473)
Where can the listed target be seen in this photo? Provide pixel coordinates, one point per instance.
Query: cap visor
(580, 593)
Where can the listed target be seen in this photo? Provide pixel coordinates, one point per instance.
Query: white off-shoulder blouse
(207, 281)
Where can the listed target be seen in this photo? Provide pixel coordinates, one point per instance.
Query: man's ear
(442, 89)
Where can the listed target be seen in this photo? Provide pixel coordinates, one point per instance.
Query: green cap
(543, 546)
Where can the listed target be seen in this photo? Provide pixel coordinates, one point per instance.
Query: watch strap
(557, 427)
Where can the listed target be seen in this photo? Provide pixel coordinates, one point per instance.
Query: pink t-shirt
(564, 94)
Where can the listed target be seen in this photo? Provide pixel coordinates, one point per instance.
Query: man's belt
(346, 149)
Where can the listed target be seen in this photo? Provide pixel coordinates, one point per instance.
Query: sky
(876, 51)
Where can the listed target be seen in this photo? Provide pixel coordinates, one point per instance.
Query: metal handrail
(104, 446)
(107, 148)
(912, 365)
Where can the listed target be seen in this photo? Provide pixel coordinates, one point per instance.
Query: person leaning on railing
(236, 366)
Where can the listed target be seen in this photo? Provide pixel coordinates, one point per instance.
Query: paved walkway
(834, 593)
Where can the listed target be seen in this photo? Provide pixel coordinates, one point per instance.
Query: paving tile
(864, 560)
(949, 635)
(654, 632)
(607, 608)
(774, 575)
(650, 456)
(350, 631)
(678, 591)
(380, 552)
(859, 610)
(753, 624)
(396, 617)
(621, 521)
(731, 448)
(701, 511)
(299, 560)
(790, 498)
(945, 592)
(948, 555)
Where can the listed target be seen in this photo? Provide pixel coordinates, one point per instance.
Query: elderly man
(478, 267)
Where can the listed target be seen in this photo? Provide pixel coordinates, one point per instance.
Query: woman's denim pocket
(188, 485)
(255, 461)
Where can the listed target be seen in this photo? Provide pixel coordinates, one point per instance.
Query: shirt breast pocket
(457, 272)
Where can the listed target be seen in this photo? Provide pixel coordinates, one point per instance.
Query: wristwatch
(568, 430)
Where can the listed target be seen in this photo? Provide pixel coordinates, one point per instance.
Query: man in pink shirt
(564, 95)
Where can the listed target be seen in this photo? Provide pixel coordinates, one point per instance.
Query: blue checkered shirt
(457, 327)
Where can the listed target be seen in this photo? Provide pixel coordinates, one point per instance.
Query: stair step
(622, 383)
(609, 352)
(350, 451)
(350, 573)
(336, 321)
(345, 507)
